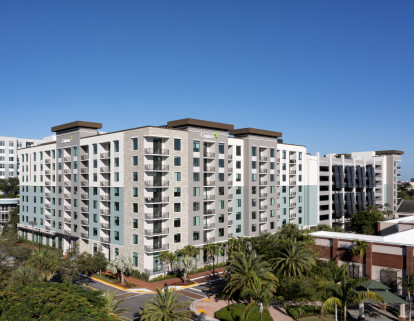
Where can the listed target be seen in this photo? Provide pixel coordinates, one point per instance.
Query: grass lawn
(323, 317)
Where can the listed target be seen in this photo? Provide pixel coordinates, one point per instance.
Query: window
(177, 191)
(134, 258)
(116, 206)
(177, 207)
(177, 222)
(254, 177)
(177, 161)
(300, 167)
(177, 238)
(95, 231)
(221, 218)
(254, 202)
(177, 176)
(238, 190)
(196, 220)
(94, 147)
(238, 177)
(95, 163)
(221, 232)
(135, 207)
(283, 189)
(135, 192)
(238, 164)
(221, 205)
(75, 151)
(196, 162)
(272, 165)
(238, 203)
(116, 162)
(300, 155)
(300, 178)
(196, 146)
(134, 239)
(116, 177)
(196, 177)
(238, 215)
(221, 163)
(221, 177)
(134, 223)
(238, 228)
(177, 144)
(196, 206)
(254, 150)
(254, 189)
(134, 160)
(116, 237)
(283, 154)
(238, 150)
(272, 213)
(135, 176)
(135, 143)
(272, 152)
(116, 146)
(196, 236)
(221, 148)
(196, 191)
(284, 166)
(272, 177)
(272, 225)
(116, 191)
(253, 227)
(221, 190)
(253, 164)
(284, 177)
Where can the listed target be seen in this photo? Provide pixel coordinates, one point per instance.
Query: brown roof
(199, 123)
(389, 152)
(255, 131)
(345, 155)
(76, 124)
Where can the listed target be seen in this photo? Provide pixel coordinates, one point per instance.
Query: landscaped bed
(235, 311)
(113, 280)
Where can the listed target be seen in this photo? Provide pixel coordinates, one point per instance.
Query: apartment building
(8, 153)
(137, 192)
(348, 183)
(6, 205)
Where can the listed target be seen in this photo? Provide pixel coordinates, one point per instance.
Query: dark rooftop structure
(199, 123)
(255, 131)
(388, 152)
(76, 124)
(407, 206)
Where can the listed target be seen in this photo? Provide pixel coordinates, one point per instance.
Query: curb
(201, 315)
(110, 284)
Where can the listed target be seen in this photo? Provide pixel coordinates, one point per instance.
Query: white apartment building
(140, 191)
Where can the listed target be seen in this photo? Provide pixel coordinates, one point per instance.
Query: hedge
(236, 310)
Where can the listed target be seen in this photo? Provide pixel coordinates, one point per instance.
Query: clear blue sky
(336, 76)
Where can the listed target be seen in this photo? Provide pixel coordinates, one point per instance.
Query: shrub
(393, 311)
(297, 311)
(236, 310)
(140, 275)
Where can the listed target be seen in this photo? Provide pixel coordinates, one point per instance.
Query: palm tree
(120, 266)
(211, 251)
(112, 306)
(164, 258)
(261, 293)
(172, 257)
(359, 249)
(345, 294)
(25, 276)
(46, 261)
(189, 250)
(409, 288)
(166, 306)
(187, 264)
(294, 259)
(244, 270)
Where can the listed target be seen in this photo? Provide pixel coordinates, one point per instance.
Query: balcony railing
(105, 211)
(67, 171)
(106, 226)
(68, 207)
(164, 199)
(209, 211)
(67, 195)
(84, 209)
(157, 216)
(263, 195)
(156, 151)
(292, 204)
(209, 226)
(157, 168)
(66, 232)
(85, 157)
(209, 197)
(292, 194)
(157, 232)
(209, 155)
(292, 182)
(47, 194)
(263, 183)
(84, 222)
(106, 155)
(47, 161)
(47, 216)
(157, 183)
(230, 222)
(209, 183)
(47, 171)
(105, 183)
(67, 183)
(292, 160)
(263, 158)
(84, 170)
(85, 235)
(262, 219)
(230, 209)
(263, 170)
(67, 220)
(67, 159)
(84, 183)
(153, 271)
(84, 196)
(105, 239)
(263, 207)
(163, 247)
(230, 157)
(209, 239)
(105, 169)
(292, 172)
(230, 183)
(105, 197)
(47, 183)
(209, 168)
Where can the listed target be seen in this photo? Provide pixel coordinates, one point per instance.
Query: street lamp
(33, 224)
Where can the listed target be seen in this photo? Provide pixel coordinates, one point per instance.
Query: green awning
(374, 285)
(388, 297)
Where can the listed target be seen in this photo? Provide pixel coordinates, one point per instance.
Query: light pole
(33, 224)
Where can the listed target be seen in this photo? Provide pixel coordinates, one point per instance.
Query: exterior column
(409, 260)
(383, 306)
(335, 245)
(402, 312)
(361, 315)
(368, 261)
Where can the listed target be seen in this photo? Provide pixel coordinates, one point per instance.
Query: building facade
(6, 205)
(137, 192)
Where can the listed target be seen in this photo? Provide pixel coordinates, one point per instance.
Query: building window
(221, 218)
(196, 220)
(135, 259)
(94, 147)
(177, 144)
(116, 237)
(238, 150)
(221, 148)
(135, 143)
(221, 177)
(196, 236)
(135, 176)
(272, 225)
(177, 191)
(196, 177)
(177, 207)
(221, 232)
(177, 176)
(196, 146)
(238, 228)
(116, 146)
(116, 177)
(238, 164)
(253, 164)
(116, 162)
(283, 154)
(238, 215)
(135, 207)
(253, 227)
(196, 162)
(272, 152)
(177, 161)
(254, 177)
(221, 163)
(196, 191)
(177, 238)
(254, 150)
(300, 155)
(135, 192)
(177, 222)
(196, 206)
(135, 160)
(134, 223)
(134, 239)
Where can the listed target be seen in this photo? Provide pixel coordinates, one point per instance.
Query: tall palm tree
(294, 259)
(166, 306)
(359, 249)
(172, 257)
(120, 266)
(164, 258)
(211, 250)
(186, 264)
(112, 306)
(46, 261)
(261, 294)
(244, 270)
(189, 250)
(345, 294)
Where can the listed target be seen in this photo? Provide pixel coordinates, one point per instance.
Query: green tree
(172, 258)
(100, 261)
(294, 259)
(359, 249)
(24, 276)
(11, 227)
(52, 301)
(46, 261)
(344, 294)
(261, 295)
(244, 269)
(164, 258)
(186, 264)
(189, 250)
(166, 306)
(9, 186)
(112, 306)
(366, 222)
(212, 250)
(409, 289)
(120, 266)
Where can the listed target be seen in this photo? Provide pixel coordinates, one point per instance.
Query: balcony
(292, 204)
(85, 157)
(230, 222)
(106, 226)
(47, 161)
(47, 206)
(230, 196)
(278, 160)
(153, 271)
(105, 183)
(262, 219)
(292, 194)
(84, 196)
(163, 247)
(47, 195)
(292, 172)
(156, 151)
(292, 160)
(105, 211)
(105, 169)
(263, 158)
(230, 184)
(157, 168)
(164, 199)
(209, 212)
(67, 220)
(67, 159)
(209, 168)
(263, 207)
(156, 183)
(84, 183)
(263, 231)
(105, 155)
(85, 209)
(230, 158)
(262, 195)
(105, 197)
(292, 183)
(67, 195)
(67, 171)
(47, 183)
(209, 155)
(47, 228)
(263, 170)
(47, 216)
(263, 183)
(66, 232)
(209, 239)
(84, 170)
(104, 239)
(209, 183)
(292, 216)
(47, 171)
(85, 235)
(157, 232)
(68, 207)
(209, 226)
(157, 216)
(84, 222)
(67, 183)
(209, 197)
(230, 209)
